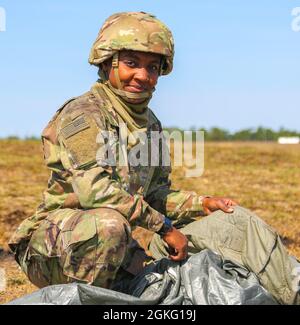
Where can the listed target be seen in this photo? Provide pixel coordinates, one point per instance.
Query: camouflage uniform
(97, 219)
(73, 236)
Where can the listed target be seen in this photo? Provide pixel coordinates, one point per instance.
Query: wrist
(166, 227)
(202, 199)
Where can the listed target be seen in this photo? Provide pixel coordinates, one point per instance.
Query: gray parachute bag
(204, 279)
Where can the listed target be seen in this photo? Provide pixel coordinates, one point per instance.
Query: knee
(242, 214)
(241, 218)
(97, 246)
(111, 225)
(238, 216)
(250, 217)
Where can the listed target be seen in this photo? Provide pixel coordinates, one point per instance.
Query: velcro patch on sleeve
(80, 140)
(74, 127)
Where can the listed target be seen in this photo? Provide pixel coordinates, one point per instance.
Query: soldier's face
(138, 71)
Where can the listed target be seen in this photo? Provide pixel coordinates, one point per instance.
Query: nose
(142, 75)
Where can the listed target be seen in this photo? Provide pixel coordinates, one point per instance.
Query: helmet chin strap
(115, 66)
(120, 92)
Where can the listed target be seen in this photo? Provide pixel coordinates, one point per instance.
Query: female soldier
(96, 215)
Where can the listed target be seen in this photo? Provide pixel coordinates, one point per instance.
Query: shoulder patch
(74, 127)
(79, 137)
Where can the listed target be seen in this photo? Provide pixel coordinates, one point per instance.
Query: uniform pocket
(80, 248)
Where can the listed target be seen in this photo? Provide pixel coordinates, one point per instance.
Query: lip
(135, 89)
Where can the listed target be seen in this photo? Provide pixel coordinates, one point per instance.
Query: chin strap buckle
(115, 60)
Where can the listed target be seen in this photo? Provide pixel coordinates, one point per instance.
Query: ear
(105, 67)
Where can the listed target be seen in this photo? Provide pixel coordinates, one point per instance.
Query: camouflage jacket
(77, 181)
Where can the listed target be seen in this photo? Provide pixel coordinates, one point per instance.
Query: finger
(227, 201)
(207, 211)
(171, 251)
(224, 208)
(232, 203)
(179, 257)
(181, 254)
(175, 258)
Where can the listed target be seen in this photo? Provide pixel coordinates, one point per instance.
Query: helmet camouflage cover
(137, 31)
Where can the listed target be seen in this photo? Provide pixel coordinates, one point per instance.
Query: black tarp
(204, 279)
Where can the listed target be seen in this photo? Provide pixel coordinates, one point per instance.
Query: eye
(154, 67)
(130, 63)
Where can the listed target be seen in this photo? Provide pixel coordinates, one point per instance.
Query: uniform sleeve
(98, 186)
(178, 205)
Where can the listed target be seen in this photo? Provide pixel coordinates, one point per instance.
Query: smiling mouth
(135, 89)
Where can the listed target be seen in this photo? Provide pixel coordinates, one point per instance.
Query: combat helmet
(137, 31)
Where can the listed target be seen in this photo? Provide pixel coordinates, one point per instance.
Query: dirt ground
(264, 177)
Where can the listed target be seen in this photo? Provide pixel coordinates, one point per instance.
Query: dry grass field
(263, 177)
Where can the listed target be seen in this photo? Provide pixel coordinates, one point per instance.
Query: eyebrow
(134, 56)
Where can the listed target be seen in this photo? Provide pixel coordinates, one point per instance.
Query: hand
(177, 243)
(211, 204)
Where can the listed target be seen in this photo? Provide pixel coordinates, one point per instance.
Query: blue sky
(237, 63)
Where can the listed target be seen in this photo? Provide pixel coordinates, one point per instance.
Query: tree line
(219, 134)
(251, 134)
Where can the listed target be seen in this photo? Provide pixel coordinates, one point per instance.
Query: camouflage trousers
(86, 246)
(91, 246)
